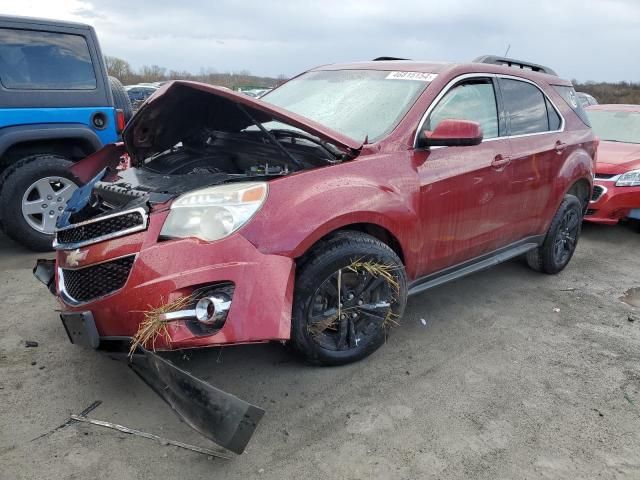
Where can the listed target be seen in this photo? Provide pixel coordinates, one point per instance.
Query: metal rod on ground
(71, 421)
(151, 436)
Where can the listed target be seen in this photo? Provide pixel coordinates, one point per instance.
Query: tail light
(120, 123)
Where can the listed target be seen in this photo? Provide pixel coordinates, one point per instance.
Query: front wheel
(34, 194)
(347, 296)
(561, 239)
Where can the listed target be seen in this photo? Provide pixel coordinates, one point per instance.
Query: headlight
(215, 212)
(629, 179)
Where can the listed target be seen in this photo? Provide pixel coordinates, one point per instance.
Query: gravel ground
(512, 374)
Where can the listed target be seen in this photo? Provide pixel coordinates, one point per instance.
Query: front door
(464, 189)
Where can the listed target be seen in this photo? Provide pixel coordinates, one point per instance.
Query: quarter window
(526, 108)
(554, 118)
(473, 100)
(31, 60)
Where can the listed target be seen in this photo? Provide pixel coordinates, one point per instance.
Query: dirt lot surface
(512, 374)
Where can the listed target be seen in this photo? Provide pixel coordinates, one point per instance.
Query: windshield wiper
(270, 136)
(310, 138)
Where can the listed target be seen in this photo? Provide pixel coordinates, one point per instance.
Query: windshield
(356, 103)
(614, 126)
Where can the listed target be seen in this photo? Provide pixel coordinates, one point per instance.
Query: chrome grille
(89, 283)
(101, 228)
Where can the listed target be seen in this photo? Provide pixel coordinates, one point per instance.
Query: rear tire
(29, 183)
(561, 239)
(120, 98)
(326, 333)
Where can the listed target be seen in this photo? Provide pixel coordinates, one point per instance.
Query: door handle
(500, 161)
(560, 147)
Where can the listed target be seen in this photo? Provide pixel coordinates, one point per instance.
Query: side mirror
(453, 133)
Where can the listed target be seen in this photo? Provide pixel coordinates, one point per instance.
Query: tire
(366, 314)
(22, 194)
(561, 239)
(120, 98)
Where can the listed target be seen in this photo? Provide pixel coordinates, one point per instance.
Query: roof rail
(512, 62)
(383, 59)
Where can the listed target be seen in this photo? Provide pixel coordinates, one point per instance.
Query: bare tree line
(604, 92)
(122, 70)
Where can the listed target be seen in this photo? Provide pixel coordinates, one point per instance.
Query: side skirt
(475, 265)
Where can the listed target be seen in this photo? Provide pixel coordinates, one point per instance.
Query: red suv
(308, 216)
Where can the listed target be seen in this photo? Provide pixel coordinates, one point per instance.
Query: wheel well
(582, 190)
(72, 148)
(376, 231)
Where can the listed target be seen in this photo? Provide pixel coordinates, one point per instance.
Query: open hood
(181, 107)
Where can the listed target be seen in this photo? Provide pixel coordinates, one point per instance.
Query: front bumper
(614, 204)
(164, 271)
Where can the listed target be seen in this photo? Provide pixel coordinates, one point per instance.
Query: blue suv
(57, 105)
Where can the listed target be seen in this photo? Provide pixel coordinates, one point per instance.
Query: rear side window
(31, 60)
(471, 100)
(526, 108)
(568, 94)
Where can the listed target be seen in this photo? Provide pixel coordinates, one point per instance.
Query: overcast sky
(585, 40)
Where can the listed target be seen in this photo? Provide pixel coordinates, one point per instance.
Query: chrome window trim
(466, 76)
(70, 246)
(69, 300)
(604, 190)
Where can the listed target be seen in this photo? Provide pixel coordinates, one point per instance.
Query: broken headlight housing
(214, 213)
(629, 179)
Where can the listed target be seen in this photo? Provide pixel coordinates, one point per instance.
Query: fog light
(212, 310)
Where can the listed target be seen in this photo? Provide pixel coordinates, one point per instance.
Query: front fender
(303, 208)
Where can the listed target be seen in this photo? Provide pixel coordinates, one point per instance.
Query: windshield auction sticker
(421, 76)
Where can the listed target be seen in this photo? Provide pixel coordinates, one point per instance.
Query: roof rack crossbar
(512, 62)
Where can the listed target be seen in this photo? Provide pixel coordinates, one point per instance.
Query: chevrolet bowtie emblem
(74, 257)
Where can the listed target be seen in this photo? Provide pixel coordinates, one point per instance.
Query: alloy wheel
(349, 308)
(45, 200)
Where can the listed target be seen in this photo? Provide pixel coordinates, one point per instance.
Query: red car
(308, 216)
(616, 193)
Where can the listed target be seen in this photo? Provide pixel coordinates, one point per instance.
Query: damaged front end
(149, 240)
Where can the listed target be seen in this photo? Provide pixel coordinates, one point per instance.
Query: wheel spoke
(372, 285)
(324, 316)
(352, 334)
(48, 222)
(66, 191)
(342, 334)
(572, 223)
(34, 207)
(373, 312)
(44, 188)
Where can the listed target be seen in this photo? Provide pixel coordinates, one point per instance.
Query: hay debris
(153, 326)
(378, 270)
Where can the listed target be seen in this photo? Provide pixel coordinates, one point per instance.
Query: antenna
(508, 48)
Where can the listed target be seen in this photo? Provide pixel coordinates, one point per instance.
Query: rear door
(534, 128)
(464, 189)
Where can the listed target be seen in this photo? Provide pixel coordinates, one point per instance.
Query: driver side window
(473, 100)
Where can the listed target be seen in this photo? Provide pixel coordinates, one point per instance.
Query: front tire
(348, 294)
(34, 193)
(561, 240)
